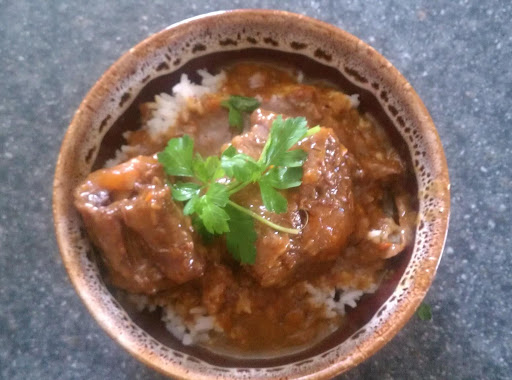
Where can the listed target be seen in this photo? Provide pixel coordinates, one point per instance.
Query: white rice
(141, 302)
(257, 80)
(123, 154)
(167, 108)
(335, 305)
(300, 76)
(198, 326)
(354, 100)
(193, 330)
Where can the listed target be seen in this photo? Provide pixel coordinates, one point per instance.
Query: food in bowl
(251, 209)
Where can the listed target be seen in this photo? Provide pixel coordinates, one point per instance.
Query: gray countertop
(457, 55)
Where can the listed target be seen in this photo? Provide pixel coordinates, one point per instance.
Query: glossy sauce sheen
(354, 182)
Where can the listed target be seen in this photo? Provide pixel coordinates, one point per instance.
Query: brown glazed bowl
(320, 49)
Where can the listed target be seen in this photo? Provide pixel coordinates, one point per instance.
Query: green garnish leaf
(238, 165)
(177, 157)
(217, 194)
(184, 191)
(241, 237)
(292, 158)
(199, 227)
(235, 118)
(237, 104)
(208, 198)
(243, 103)
(424, 312)
(210, 208)
(214, 217)
(272, 199)
(190, 206)
(283, 135)
(283, 177)
(207, 170)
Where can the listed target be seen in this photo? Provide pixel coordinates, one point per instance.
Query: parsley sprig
(236, 104)
(207, 197)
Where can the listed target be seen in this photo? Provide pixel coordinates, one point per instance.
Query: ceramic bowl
(320, 49)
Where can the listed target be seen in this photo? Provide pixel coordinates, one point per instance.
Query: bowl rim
(96, 94)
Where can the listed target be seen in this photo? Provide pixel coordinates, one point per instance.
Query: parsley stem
(311, 131)
(263, 220)
(238, 187)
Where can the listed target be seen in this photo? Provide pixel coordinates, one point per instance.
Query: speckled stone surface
(457, 54)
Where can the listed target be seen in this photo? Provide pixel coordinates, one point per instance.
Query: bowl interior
(322, 52)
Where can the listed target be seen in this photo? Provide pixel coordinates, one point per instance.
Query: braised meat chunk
(146, 242)
(322, 207)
